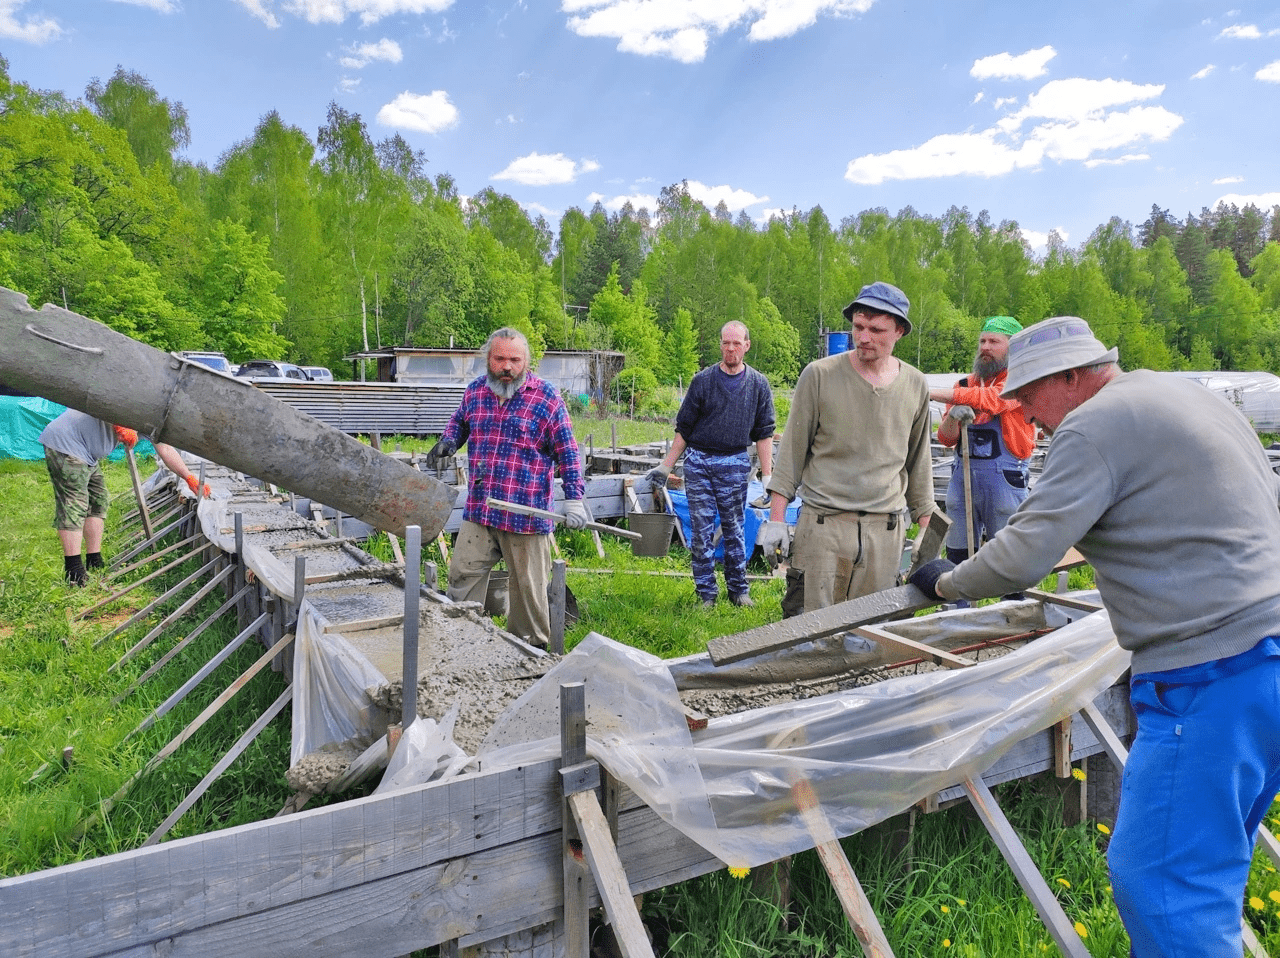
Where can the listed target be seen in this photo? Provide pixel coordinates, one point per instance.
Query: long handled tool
(556, 517)
(968, 488)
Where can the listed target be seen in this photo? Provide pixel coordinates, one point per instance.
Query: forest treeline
(311, 249)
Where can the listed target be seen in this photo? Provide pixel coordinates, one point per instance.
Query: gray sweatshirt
(1163, 486)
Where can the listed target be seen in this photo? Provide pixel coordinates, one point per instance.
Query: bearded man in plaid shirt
(517, 430)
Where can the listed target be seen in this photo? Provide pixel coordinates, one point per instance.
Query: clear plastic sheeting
(1256, 394)
(867, 754)
(331, 683)
(215, 516)
(426, 751)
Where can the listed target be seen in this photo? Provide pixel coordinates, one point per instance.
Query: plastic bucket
(655, 528)
(837, 343)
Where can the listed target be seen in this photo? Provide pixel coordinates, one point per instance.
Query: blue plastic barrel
(837, 343)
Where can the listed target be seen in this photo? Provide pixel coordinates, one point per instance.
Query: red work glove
(127, 436)
(194, 483)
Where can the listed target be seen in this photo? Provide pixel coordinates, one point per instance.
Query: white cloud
(541, 210)
(369, 11)
(1201, 74)
(349, 84)
(160, 6)
(259, 10)
(1006, 66)
(682, 30)
(638, 201)
(362, 54)
(1263, 201)
(1223, 180)
(1037, 240)
(1240, 32)
(1003, 101)
(30, 30)
(1270, 73)
(429, 113)
(977, 97)
(545, 169)
(1118, 160)
(1078, 123)
(735, 199)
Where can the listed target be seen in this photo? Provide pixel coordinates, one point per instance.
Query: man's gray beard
(988, 368)
(504, 390)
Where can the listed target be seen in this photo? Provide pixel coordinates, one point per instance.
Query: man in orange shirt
(1000, 440)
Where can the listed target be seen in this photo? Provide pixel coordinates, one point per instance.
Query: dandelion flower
(1274, 895)
(1078, 774)
(945, 909)
(1256, 903)
(1064, 883)
(737, 871)
(1081, 930)
(961, 902)
(1103, 828)
(946, 942)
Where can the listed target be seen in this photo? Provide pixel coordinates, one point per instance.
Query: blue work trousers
(1202, 773)
(999, 483)
(717, 486)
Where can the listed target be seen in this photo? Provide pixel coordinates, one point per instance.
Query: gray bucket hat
(883, 298)
(1053, 346)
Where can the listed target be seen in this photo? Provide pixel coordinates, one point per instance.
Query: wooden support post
(396, 554)
(442, 541)
(1033, 884)
(137, 491)
(573, 751)
(557, 606)
(431, 576)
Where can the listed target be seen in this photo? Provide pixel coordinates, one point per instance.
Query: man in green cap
(1000, 441)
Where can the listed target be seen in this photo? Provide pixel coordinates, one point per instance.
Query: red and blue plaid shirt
(512, 451)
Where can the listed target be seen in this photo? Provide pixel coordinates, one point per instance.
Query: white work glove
(962, 414)
(576, 513)
(775, 539)
(658, 475)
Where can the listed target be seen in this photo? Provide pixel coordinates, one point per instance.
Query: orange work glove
(194, 483)
(127, 436)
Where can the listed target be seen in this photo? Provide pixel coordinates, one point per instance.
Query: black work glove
(927, 576)
(441, 450)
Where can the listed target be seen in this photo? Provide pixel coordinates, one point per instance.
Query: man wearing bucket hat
(1000, 441)
(1184, 548)
(728, 407)
(857, 439)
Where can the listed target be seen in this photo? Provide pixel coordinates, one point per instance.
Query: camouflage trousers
(716, 487)
(79, 491)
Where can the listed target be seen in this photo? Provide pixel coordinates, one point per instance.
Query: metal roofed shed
(575, 372)
(1256, 394)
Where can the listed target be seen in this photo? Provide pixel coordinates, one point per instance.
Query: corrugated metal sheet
(391, 409)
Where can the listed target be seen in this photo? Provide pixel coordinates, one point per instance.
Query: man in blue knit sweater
(728, 407)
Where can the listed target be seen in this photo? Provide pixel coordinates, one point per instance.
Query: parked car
(319, 374)
(214, 360)
(270, 369)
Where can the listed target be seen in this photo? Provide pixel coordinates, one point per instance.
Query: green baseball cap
(1002, 324)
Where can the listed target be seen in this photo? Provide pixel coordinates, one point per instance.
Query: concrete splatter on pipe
(69, 359)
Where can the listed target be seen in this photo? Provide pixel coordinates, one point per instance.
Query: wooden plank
(807, 626)
(909, 649)
(1066, 601)
(611, 880)
(930, 542)
(137, 491)
(1033, 884)
(365, 625)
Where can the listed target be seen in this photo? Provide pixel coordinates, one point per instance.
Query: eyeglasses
(1048, 335)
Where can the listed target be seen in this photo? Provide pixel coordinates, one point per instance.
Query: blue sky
(1055, 115)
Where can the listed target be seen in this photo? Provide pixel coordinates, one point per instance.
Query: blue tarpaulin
(23, 418)
(752, 521)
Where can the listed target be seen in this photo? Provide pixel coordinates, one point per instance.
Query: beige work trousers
(528, 558)
(845, 557)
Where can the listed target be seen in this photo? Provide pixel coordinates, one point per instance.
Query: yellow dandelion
(1103, 828)
(737, 871)
(1081, 930)
(961, 902)
(1064, 883)
(1256, 903)
(1274, 895)
(946, 909)
(946, 942)
(1078, 774)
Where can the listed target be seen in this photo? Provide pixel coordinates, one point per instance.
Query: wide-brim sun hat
(1053, 346)
(882, 298)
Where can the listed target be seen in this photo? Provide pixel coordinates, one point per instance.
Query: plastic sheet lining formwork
(390, 409)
